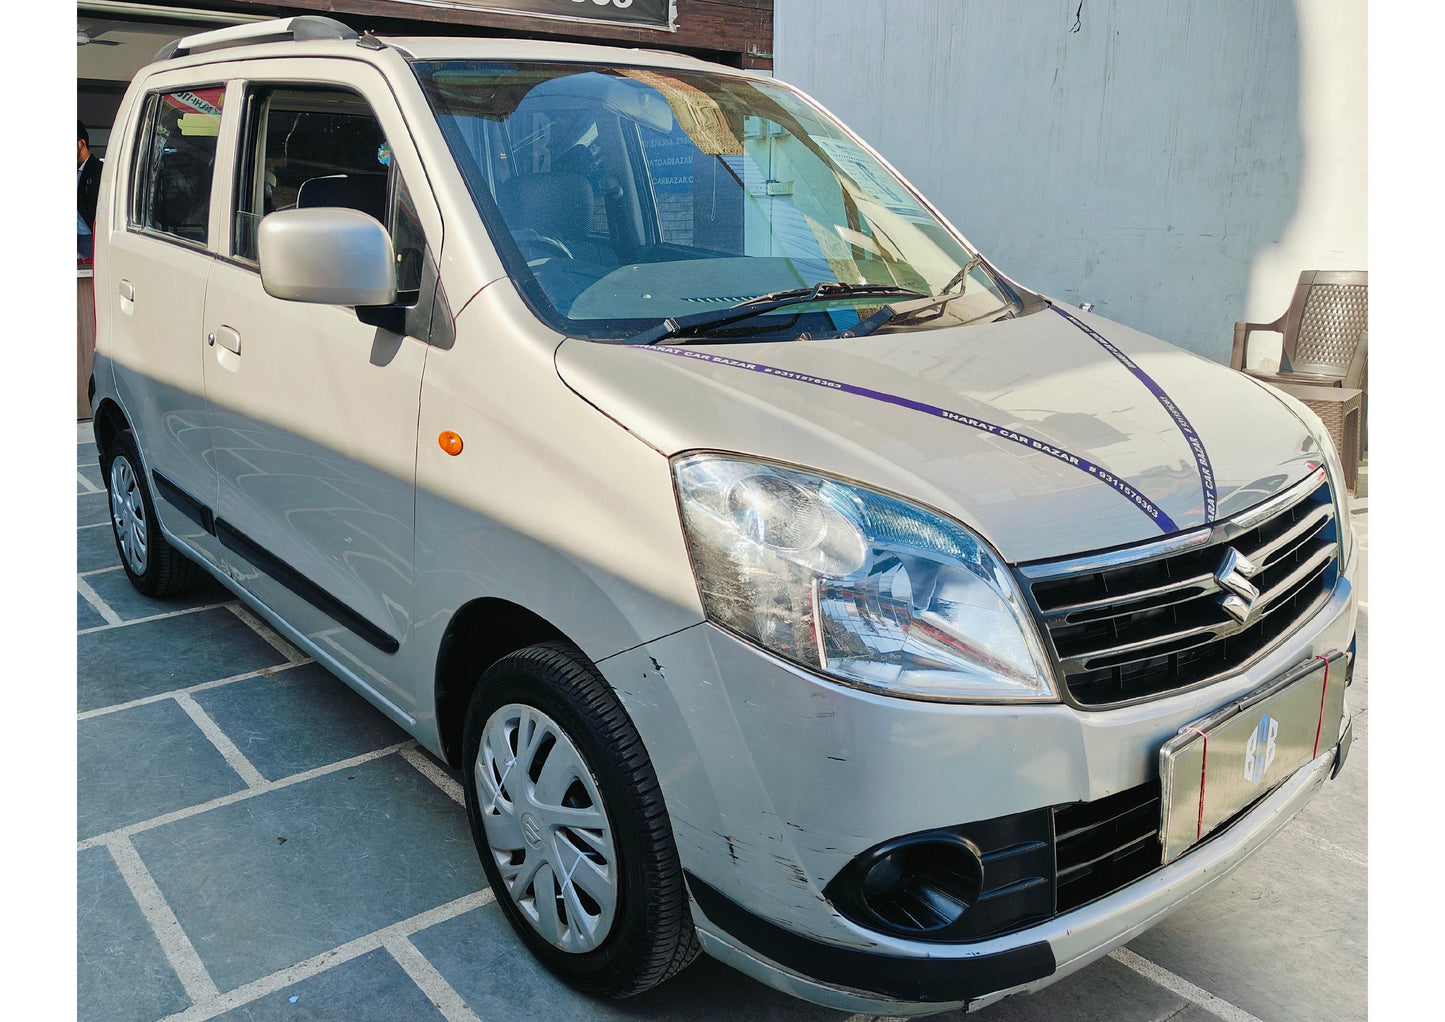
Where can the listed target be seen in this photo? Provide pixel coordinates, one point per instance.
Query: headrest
(366, 192)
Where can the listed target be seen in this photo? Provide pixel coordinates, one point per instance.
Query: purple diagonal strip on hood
(1155, 513)
(1196, 445)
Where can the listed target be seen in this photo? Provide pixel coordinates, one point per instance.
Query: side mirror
(328, 256)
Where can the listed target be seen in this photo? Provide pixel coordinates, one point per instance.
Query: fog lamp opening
(920, 884)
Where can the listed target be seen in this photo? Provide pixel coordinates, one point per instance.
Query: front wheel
(153, 566)
(568, 818)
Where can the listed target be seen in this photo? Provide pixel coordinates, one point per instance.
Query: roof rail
(305, 27)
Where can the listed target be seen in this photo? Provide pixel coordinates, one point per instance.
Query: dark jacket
(87, 190)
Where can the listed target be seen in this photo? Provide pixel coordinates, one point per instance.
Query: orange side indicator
(450, 442)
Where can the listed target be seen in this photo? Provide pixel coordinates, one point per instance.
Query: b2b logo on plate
(1259, 750)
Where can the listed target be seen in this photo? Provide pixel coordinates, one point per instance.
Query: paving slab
(297, 719)
(1104, 990)
(91, 471)
(122, 973)
(1194, 1013)
(371, 988)
(125, 663)
(441, 765)
(480, 956)
(143, 762)
(86, 616)
(115, 589)
(270, 881)
(95, 549)
(93, 509)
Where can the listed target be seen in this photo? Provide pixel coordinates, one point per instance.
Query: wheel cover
(128, 514)
(547, 828)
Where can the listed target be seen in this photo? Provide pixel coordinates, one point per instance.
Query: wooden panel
(740, 29)
(85, 341)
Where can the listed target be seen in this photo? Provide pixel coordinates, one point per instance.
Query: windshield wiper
(890, 313)
(703, 321)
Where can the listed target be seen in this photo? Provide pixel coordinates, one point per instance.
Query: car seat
(558, 205)
(364, 192)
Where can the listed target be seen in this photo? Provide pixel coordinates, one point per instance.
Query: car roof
(461, 48)
(311, 37)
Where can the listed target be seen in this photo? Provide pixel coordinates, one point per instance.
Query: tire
(584, 764)
(153, 566)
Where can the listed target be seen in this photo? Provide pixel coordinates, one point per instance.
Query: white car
(788, 583)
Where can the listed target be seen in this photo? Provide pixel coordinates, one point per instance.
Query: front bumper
(982, 973)
(775, 779)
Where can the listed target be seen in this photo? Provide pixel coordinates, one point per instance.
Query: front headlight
(867, 588)
(1337, 486)
(1336, 471)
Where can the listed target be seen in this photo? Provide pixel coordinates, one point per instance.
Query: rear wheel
(153, 566)
(569, 821)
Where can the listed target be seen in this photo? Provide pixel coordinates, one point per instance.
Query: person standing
(87, 193)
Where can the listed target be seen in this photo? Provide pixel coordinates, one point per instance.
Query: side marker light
(450, 442)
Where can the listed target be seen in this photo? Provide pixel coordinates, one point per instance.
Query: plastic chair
(1324, 332)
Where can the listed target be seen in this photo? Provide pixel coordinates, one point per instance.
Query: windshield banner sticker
(1143, 503)
(1196, 445)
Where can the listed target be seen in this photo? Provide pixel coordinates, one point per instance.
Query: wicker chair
(1324, 332)
(1323, 357)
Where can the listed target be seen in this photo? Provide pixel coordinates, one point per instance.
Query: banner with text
(642, 13)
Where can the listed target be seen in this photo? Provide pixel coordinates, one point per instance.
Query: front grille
(1127, 628)
(1101, 846)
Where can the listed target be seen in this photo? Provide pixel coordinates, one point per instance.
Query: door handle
(127, 290)
(228, 338)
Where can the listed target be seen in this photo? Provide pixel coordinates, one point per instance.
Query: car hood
(1031, 431)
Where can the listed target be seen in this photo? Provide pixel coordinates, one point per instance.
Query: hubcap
(128, 514)
(547, 828)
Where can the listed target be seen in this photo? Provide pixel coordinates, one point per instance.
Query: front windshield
(621, 197)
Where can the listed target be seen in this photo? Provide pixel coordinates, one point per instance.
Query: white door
(161, 249)
(313, 412)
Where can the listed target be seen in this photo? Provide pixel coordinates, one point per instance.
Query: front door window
(323, 147)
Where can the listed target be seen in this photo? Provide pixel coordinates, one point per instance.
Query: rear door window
(177, 162)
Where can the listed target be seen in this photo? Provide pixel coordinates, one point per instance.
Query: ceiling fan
(87, 36)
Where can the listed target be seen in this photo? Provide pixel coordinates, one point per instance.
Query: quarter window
(178, 156)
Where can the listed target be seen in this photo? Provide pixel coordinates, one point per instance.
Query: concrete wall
(1175, 162)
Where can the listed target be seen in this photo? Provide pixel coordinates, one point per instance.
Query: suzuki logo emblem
(1259, 750)
(531, 830)
(1233, 577)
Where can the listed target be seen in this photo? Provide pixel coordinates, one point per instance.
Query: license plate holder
(1218, 764)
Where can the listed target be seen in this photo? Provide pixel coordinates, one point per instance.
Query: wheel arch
(479, 634)
(108, 422)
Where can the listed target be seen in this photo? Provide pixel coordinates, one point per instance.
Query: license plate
(1219, 764)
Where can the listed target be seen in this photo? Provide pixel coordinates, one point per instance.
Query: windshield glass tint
(631, 195)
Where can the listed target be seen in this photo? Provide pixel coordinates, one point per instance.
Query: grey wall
(1151, 162)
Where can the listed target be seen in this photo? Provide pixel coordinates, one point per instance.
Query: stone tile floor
(255, 842)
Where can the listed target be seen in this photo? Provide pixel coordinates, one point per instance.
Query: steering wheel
(540, 245)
